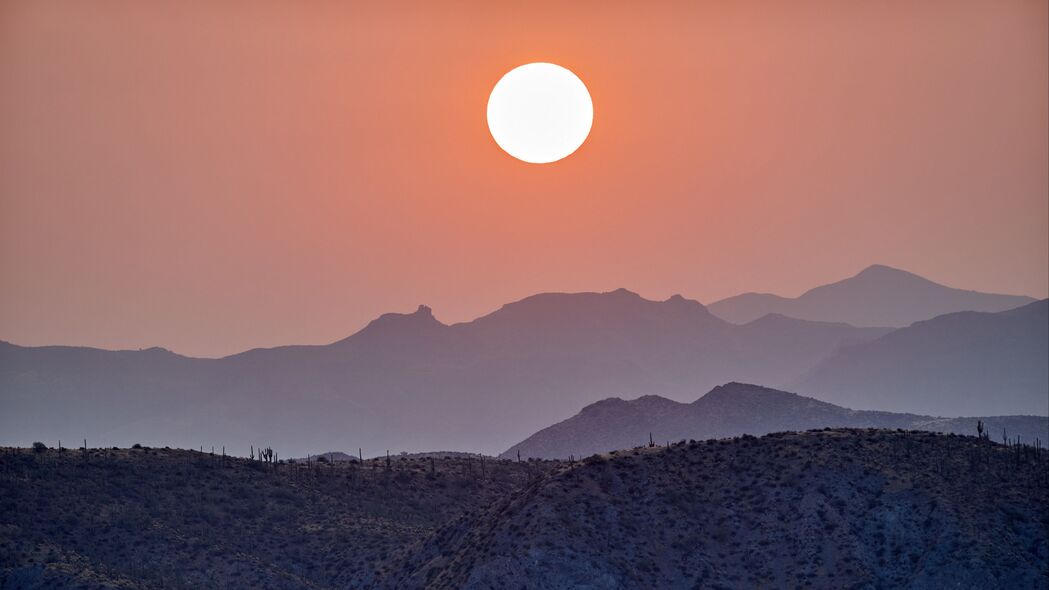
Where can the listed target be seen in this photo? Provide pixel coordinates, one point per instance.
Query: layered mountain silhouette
(978, 363)
(408, 382)
(878, 296)
(733, 410)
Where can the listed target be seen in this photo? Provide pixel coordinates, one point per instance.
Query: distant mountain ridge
(877, 296)
(732, 410)
(977, 360)
(405, 382)
(408, 382)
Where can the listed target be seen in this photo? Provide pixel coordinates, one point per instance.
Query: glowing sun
(540, 113)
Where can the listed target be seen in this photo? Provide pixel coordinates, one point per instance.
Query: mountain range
(408, 382)
(973, 361)
(733, 410)
(877, 296)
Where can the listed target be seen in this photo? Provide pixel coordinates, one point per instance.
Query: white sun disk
(540, 113)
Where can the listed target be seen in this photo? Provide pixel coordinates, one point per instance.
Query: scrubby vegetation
(164, 518)
(823, 509)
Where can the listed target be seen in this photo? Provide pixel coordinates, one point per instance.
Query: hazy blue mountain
(960, 363)
(733, 410)
(877, 296)
(405, 381)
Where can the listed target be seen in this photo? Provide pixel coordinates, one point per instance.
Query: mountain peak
(423, 314)
(735, 388)
(881, 271)
(608, 402)
(681, 301)
(399, 325)
(553, 304)
(653, 400)
(880, 268)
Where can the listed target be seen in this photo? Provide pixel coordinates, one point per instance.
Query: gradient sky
(216, 176)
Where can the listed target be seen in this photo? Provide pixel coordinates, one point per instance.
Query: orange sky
(213, 178)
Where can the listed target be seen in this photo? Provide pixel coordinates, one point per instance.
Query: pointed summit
(876, 269)
(422, 315)
(398, 328)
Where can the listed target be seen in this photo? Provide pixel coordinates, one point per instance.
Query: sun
(540, 113)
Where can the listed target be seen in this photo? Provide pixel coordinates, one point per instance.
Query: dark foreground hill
(736, 409)
(877, 296)
(161, 518)
(845, 508)
(832, 509)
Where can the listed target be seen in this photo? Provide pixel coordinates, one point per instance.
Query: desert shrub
(39, 447)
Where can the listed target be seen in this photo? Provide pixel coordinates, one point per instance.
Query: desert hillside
(835, 508)
(162, 518)
(822, 509)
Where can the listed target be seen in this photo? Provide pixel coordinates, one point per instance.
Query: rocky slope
(736, 409)
(828, 509)
(836, 508)
(163, 518)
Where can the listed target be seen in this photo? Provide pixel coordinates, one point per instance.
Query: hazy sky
(215, 176)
